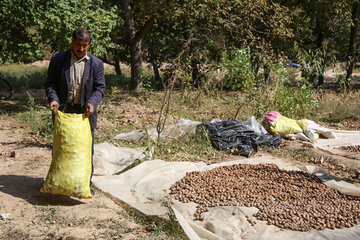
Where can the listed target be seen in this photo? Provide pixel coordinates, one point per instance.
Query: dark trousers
(76, 108)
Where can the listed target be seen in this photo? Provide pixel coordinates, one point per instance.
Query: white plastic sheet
(256, 126)
(109, 159)
(313, 130)
(183, 127)
(323, 131)
(343, 138)
(144, 185)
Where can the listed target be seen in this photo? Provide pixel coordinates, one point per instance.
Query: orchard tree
(138, 18)
(31, 28)
(217, 26)
(220, 26)
(320, 26)
(18, 36)
(161, 45)
(352, 41)
(56, 21)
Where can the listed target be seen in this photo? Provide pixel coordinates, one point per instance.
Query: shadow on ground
(28, 188)
(20, 101)
(26, 144)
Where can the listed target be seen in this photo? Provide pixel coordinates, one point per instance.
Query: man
(75, 82)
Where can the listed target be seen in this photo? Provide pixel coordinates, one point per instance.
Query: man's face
(79, 47)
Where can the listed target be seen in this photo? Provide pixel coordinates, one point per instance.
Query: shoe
(92, 192)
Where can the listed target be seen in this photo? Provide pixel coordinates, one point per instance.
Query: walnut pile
(287, 199)
(355, 148)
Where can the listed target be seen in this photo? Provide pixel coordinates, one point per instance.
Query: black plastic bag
(239, 136)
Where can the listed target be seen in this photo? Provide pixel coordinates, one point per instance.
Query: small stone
(4, 216)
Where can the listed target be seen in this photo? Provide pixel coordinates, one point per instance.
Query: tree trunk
(135, 40)
(115, 62)
(193, 61)
(117, 67)
(155, 64)
(195, 72)
(267, 71)
(135, 47)
(158, 78)
(350, 58)
(135, 59)
(319, 43)
(256, 61)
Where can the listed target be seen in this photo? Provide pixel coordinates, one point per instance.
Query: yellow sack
(310, 133)
(70, 169)
(303, 123)
(283, 125)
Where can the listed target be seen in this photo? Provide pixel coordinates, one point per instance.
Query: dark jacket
(93, 83)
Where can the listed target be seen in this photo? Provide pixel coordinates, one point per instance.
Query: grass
(112, 80)
(339, 107)
(191, 147)
(27, 76)
(24, 77)
(157, 227)
(37, 118)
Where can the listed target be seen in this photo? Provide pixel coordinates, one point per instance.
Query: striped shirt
(76, 75)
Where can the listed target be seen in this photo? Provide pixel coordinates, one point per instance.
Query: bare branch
(168, 90)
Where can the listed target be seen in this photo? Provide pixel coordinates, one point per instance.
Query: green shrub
(275, 95)
(313, 62)
(239, 74)
(148, 81)
(296, 102)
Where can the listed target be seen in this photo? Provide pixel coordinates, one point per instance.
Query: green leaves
(62, 17)
(18, 40)
(239, 74)
(29, 28)
(313, 63)
(296, 102)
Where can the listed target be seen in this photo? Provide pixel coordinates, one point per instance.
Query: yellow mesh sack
(70, 169)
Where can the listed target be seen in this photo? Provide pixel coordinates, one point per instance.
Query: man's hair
(82, 34)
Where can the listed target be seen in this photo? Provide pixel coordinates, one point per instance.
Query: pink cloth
(271, 116)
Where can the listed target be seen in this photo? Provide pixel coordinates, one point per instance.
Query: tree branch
(145, 29)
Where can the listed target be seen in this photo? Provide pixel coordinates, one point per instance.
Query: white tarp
(343, 138)
(144, 186)
(313, 132)
(109, 159)
(183, 127)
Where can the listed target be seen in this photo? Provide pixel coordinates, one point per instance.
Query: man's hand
(54, 106)
(89, 109)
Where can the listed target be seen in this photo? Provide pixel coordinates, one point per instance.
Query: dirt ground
(24, 162)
